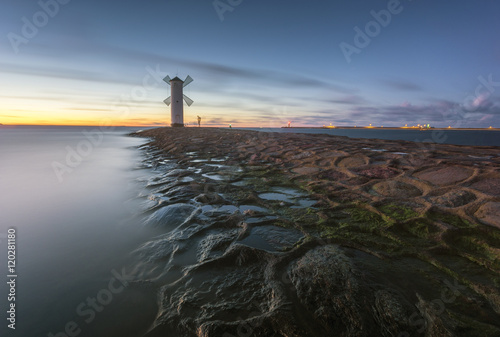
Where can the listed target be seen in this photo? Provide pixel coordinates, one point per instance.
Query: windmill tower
(176, 98)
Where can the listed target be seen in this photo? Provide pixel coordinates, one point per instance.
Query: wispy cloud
(59, 73)
(436, 112)
(222, 74)
(402, 85)
(348, 100)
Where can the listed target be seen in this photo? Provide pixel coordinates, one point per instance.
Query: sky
(254, 63)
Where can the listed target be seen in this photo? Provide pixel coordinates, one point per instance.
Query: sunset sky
(254, 63)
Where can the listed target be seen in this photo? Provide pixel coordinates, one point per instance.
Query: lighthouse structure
(176, 99)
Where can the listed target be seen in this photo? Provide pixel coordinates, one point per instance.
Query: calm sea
(68, 194)
(458, 137)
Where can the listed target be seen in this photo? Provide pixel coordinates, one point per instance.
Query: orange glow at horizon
(139, 119)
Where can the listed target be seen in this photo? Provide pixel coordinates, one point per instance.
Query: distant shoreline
(390, 128)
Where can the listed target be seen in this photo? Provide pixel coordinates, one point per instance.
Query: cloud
(348, 100)
(483, 104)
(444, 112)
(402, 85)
(134, 63)
(58, 72)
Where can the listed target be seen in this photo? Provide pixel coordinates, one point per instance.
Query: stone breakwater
(270, 234)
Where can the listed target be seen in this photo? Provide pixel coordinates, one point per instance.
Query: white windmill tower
(176, 98)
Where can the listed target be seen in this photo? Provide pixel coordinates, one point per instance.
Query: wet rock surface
(454, 199)
(489, 213)
(312, 235)
(396, 189)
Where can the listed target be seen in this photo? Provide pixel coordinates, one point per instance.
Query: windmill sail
(187, 81)
(188, 100)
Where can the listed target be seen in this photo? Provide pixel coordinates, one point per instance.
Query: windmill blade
(167, 79)
(188, 100)
(187, 81)
(168, 100)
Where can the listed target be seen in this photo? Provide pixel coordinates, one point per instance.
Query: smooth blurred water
(72, 230)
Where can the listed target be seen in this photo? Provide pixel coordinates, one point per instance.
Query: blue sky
(254, 63)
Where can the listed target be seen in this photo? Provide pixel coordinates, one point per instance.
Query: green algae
(450, 219)
(480, 251)
(398, 212)
(361, 215)
(422, 228)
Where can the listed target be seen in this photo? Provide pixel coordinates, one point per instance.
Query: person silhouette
(199, 121)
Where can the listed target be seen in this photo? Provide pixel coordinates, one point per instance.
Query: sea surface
(68, 192)
(453, 136)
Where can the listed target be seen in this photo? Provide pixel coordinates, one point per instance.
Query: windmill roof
(176, 79)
